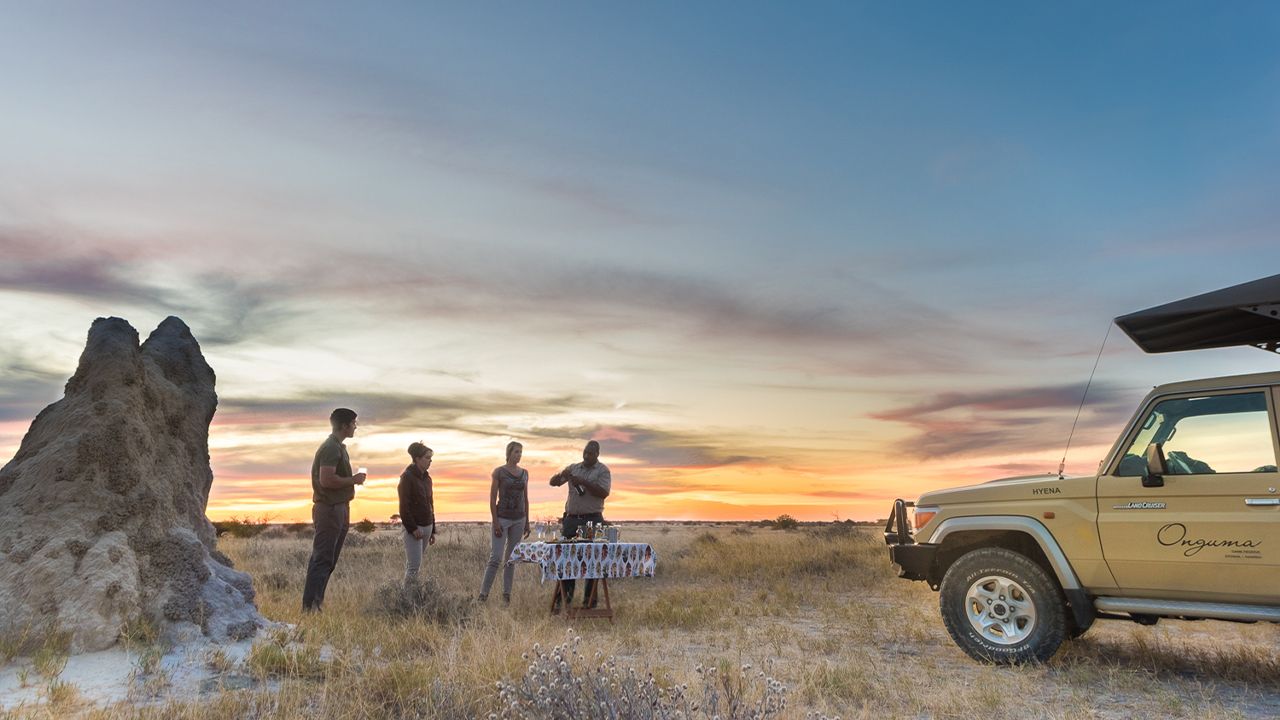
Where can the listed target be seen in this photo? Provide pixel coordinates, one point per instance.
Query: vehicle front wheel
(1002, 607)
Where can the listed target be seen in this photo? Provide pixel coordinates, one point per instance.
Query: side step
(1179, 608)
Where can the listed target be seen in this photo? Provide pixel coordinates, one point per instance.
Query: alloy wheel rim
(1000, 610)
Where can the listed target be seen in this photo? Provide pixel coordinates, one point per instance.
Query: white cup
(362, 470)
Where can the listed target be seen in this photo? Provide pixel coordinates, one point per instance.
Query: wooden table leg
(607, 606)
(589, 612)
(557, 596)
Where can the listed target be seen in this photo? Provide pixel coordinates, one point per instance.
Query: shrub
(15, 641)
(275, 580)
(51, 658)
(274, 532)
(240, 527)
(761, 558)
(835, 530)
(62, 696)
(705, 539)
(365, 526)
(138, 633)
(785, 522)
(559, 684)
(682, 609)
(422, 599)
(410, 690)
(281, 654)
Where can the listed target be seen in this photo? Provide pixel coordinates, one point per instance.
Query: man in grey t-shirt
(589, 484)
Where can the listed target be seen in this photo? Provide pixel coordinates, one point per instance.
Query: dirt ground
(816, 609)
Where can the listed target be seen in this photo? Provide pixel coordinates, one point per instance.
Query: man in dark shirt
(332, 488)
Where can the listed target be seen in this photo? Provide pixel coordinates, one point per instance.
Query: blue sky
(750, 242)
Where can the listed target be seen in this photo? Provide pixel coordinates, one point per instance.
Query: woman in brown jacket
(417, 509)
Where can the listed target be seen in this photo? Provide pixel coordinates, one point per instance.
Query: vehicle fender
(1048, 545)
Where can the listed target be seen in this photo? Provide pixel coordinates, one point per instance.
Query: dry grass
(816, 609)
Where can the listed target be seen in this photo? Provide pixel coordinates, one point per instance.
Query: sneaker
(483, 598)
(506, 598)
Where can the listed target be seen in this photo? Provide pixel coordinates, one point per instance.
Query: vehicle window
(1204, 435)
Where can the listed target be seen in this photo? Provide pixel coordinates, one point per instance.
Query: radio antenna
(1062, 466)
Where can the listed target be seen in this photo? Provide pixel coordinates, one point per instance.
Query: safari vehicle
(1182, 519)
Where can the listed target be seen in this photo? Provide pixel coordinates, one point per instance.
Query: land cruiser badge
(1139, 506)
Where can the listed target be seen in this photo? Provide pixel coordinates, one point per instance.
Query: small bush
(785, 522)
(240, 527)
(682, 609)
(563, 683)
(62, 696)
(273, 580)
(15, 641)
(355, 540)
(219, 661)
(51, 658)
(365, 526)
(705, 539)
(139, 633)
(410, 690)
(834, 530)
(282, 655)
(274, 532)
(422, 599)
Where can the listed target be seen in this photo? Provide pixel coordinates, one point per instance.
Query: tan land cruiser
(1182, 519)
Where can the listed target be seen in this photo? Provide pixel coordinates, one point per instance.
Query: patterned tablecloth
(581, 560)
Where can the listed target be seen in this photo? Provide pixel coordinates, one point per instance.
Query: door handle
(1262, 501)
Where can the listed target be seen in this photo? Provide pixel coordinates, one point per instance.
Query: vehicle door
(1211, 531)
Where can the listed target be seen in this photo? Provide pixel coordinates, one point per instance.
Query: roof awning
(1246, 314)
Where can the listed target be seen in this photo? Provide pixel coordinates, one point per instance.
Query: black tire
(1034, 632)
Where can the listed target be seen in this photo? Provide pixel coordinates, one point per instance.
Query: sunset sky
(778, 258)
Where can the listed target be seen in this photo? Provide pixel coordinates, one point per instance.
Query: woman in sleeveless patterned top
(509, 510)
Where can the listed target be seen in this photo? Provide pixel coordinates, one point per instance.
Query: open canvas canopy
(1246, 314)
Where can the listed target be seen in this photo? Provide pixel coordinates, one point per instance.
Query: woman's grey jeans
(413, 551)
(512, 531)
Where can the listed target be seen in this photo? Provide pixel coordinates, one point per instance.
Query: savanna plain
(741, 621)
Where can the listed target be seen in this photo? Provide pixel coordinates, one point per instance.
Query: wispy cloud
(865, 328)
(655, 447)
(37, 263)
(26, 389)
(1003, 421)
(223, 307)
(473, 413)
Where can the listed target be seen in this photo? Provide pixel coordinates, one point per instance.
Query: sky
(797, 258)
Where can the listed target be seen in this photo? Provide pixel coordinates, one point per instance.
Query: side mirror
(1156, 468)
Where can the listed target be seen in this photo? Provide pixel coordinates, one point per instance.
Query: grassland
(816, 610)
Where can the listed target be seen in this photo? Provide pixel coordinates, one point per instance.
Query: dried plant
(563, 683)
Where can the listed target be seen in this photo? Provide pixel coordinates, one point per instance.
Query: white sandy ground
(110, 676)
